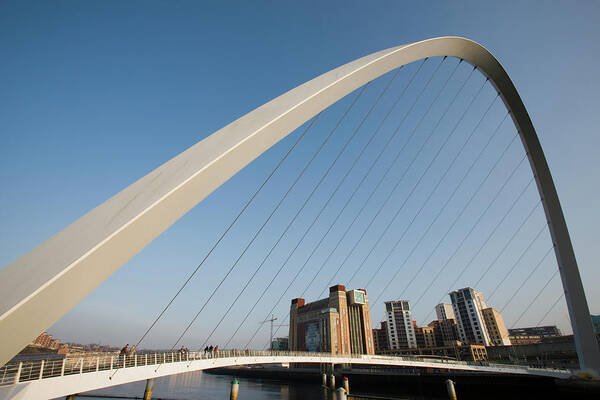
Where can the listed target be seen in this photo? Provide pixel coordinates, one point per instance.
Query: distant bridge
(41, 379)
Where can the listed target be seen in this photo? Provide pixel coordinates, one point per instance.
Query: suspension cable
(550, 309)
(314, 250)
(492, 263)
(511, 298)
(272, 213)
(464, 208)
(343, 149)
(214, 246)
(374, 162)
(396, 186)
(400, 180)
(432, 192)
(507, 243)
(542, 228)
(366, 202)
(485, 242)
(534, 299)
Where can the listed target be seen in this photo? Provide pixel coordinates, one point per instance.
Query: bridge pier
(341, 394)
(149, 388)
(235, 388)
(450, 389)
(346, 385)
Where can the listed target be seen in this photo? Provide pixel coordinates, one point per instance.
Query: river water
(203, 386)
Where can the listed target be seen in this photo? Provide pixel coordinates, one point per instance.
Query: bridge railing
(48, 367)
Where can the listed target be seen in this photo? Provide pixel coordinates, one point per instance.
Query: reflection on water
(201, 386)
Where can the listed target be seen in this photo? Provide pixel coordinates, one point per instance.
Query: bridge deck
(49, 378)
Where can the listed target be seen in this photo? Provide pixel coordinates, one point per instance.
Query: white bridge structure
(41, 286)
(41, 379)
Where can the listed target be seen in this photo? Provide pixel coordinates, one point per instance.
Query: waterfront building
(444, 331)
(44, 340)
(425, 336)
(380, 338)
(543, 331)
(496, 329)
(339, 324)
(401, 333)
(468, 304)
(444, 311)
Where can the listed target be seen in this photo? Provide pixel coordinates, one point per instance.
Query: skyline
(85, 149)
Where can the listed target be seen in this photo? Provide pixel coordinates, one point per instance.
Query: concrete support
(341, 394)
(332, 381)
(324, 379)
(450, 389)
(149, 388)
(235, 388)
(346, 385)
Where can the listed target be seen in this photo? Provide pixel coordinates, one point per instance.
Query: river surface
(203, 386)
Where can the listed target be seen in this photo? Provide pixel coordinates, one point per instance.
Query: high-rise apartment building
(339, 324)
(444, 311)
(380, 338)
(468, 304)
(444, 331)
(425, 336)
(401, 333)
(495, 327)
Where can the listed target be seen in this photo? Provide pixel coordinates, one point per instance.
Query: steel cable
(518, 260)
(395, 187)
(492, 263)
(481, 247)
(322, 179)
(550, 309)
(511, 298)
(306, 130)
(534, 299)
(379, 183)
(322, 209)
(272, 213)
(431, 193)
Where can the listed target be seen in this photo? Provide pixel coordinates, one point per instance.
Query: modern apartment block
(495, 327)
(401, 333)
(425, 336)
(468, 304)
(444, 331)
(444, 311)
(380, 338)
(339, 324)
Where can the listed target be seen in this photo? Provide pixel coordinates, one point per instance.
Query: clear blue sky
(97, 94)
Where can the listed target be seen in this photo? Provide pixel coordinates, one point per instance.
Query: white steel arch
(42, 285)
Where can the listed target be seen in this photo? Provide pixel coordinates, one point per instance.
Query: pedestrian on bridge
(124, 350)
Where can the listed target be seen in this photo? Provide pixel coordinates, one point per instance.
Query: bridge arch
(68, 266)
